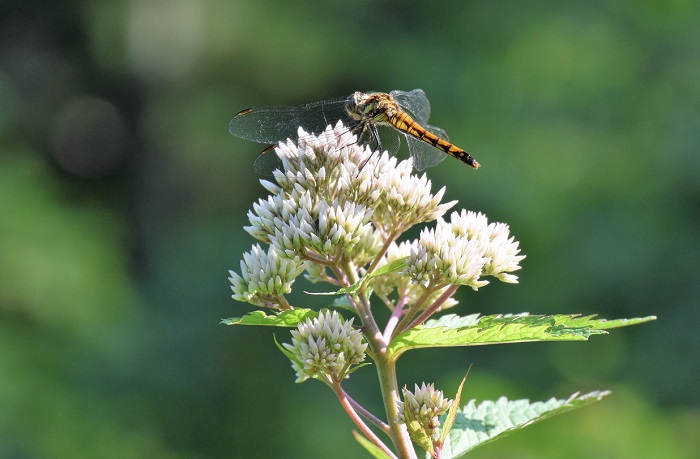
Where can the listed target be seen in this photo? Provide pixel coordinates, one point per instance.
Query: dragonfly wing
(438, 132)
(415, 103)
(389, 139)
(424, 154)
(267, 162)
(277, 123)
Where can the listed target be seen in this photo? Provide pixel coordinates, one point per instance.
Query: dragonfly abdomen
(405, 123)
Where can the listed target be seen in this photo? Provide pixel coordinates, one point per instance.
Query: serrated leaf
(603, 324)
(283, 319)
(454, 321)
(452, 413)
(373, 449)
(394, 266)
(453, 330)
(476, 425)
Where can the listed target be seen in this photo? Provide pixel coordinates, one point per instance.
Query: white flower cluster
(265, 276)
(424, 405)
(338, 205)
(462, 251)
(501, 249)
(406, 199)
(320, 231)
(327, 347)
(334, 203)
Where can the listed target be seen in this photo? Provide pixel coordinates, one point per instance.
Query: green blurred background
(123, 197)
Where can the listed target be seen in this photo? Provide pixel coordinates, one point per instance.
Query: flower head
(326, 348)
(501, 249)
(502, 253)
(445, 257)
(462, 251)
(406, 198)
(265, 277)
(424, 405)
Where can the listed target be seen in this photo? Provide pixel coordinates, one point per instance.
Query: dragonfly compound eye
(352, 108)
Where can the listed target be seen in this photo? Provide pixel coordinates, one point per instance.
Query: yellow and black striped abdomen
(403, 122)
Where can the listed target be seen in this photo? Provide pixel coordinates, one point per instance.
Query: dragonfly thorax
(375, 107)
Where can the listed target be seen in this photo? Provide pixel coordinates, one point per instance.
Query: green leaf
(373, 449)
(357, 367)
(476, 425)
(452, 413)
(453, 330)
(394, 266)
(602, 324)
(454, 321)
(283, 319)
(420, 436)
(287, 353)
(291, 357)
(342, 302)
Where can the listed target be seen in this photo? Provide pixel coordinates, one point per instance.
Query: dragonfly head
(353, 106)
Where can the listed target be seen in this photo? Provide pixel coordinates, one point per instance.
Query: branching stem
(430, 310)
(349, 409)
(368, 415)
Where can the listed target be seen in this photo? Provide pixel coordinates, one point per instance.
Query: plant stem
(394, 319)
(411, 313)
(367, 415)
(347, 406)
(386, 371)
(389, 240)
(435, 306)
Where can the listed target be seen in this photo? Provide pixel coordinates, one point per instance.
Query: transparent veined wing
(267, 161)
(277, 123)
(390, 139)
(424, 154)
(415, 103)
(385, 138)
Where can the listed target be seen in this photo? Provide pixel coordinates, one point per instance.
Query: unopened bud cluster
(265, 277)
(326, 348)
(424, 405)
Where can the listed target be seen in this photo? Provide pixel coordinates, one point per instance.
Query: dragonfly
(376, 118)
